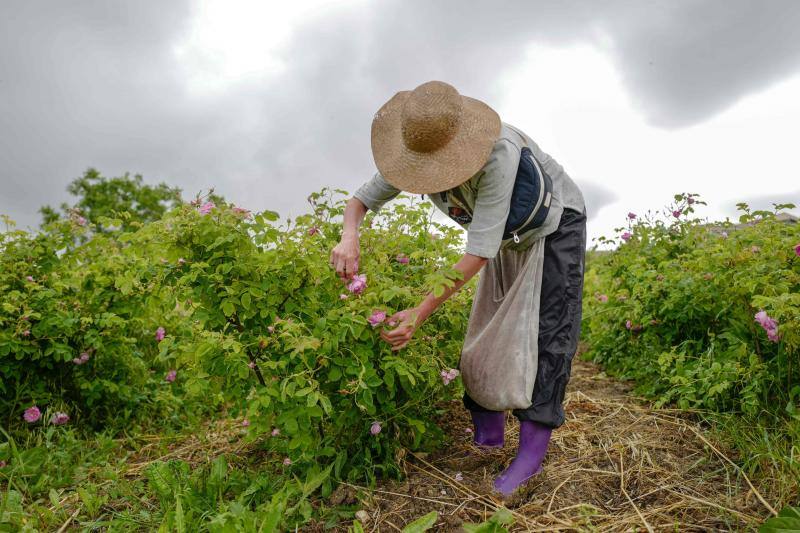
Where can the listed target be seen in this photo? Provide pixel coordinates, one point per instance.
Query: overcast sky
(268, 101)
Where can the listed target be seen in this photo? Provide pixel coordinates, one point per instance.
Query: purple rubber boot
(489, 428)
(533, 441)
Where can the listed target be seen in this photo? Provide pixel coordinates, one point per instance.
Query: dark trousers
(559, 320)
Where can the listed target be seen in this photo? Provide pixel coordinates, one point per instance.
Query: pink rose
(676, 213)
(29, 278)
(84, 357)
(276, 432)
(171, 375)
(59, 419)
(245, 423)
(449, 375)
(403, 260)
(689, 199)
(375, 428)
(632, 216)
(80, 220)
(358, 284)
(287, 461)
(377, 318)
(26, 333)
(206, 208)
(628, 324)
(313, 231)
(626, 236)
(343, 296)
(160, 333)
(32, 414)
(242, 211)
(797, 250)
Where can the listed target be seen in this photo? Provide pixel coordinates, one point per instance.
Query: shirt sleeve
(493, 199)
(376, 192)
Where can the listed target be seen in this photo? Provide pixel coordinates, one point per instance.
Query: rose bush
(701, 315)
(76, 325)
(295, 351)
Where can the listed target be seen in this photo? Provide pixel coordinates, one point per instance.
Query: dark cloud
(763, 202)
(91, 83)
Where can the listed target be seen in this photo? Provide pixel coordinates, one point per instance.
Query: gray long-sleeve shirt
(487, 196)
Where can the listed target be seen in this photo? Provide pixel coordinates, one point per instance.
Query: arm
(410, 319)
(344, 256)
(372, 195)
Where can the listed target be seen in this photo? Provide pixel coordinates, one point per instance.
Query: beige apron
(500, 355)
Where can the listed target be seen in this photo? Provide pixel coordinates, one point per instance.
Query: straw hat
(432, 139)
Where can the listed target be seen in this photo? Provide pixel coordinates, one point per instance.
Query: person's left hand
(407, 323)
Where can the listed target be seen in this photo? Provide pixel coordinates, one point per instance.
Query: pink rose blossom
(313, 231)
(276, 432)
(628, 324)
(358, 284)
(403, 260)
(287, 461)
(171, 375)
(676, 213)
(160, 333)
(84, 357)
(772, 335)
(797, 250)
(242, 211)
(449, 375)
(689, 199)
(602, 298)
(206, 208)
(626, 236)
(59, 419)
(29, 278)
(377, 318)
(375, 428)
(80, 220)
(769, 324)
(632, 216)
(245, 423)
(32, 414)
(343, 296)
(26, 333)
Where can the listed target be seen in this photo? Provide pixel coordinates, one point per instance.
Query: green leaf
(423, 523)
(787, 521)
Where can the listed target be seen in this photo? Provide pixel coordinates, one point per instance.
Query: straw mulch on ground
(616, 465)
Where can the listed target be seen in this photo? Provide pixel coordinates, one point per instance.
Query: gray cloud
(87, 84)
(763, 202)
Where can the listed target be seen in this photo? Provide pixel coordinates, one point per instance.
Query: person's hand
(407, 323)
(344, 257)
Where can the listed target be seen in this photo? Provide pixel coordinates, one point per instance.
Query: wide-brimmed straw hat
(432, 139)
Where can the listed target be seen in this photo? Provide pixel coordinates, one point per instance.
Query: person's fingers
(397, 334)
(340, 267)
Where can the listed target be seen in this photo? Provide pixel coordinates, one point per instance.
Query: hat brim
(440, 170)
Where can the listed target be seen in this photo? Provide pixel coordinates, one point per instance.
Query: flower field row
(217, 311)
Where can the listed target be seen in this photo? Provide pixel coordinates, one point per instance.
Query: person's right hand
(344, 257)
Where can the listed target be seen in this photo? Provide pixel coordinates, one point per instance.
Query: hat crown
(430, 116)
